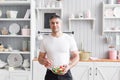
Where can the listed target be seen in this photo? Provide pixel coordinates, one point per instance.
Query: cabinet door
(4, 75)
(20, 75)
(82, 71)
(107, 71)
(39, 71)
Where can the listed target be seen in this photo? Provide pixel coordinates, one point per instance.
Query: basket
(85, 55)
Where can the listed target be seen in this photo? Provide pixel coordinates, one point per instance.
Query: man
(58, 49)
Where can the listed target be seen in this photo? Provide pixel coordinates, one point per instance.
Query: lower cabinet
(82, 71)
(85, 71)
(14, 75)
(39, 71)
(4, 74)
(20, 75)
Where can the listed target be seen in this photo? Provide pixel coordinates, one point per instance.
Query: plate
(109, 13)
(15, 60)
(14, 28)
(117, 11)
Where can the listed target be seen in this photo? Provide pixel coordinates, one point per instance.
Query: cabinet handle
(96, 71)
(90, 69)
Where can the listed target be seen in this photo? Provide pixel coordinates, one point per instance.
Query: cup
(11, 14)
(25, 31)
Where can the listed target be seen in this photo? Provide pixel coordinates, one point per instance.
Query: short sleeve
(73, 45)
(42, 46)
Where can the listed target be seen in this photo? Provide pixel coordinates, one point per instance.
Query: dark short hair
(54, 16)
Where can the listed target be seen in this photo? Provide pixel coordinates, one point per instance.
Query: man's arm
(74, 59)
(43, 60)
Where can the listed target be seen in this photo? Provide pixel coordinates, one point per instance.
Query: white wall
(92, 41)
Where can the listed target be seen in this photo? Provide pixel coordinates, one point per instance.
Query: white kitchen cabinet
(85, 71)
(20, 75)
(39, 71)
(82, 71)
(4, 74)
(107, 71)
(110, 18)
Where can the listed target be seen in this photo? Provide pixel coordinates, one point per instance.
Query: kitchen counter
(98, 60)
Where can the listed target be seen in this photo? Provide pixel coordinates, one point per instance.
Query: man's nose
(55, 24)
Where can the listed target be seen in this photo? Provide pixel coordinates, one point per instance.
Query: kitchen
(93, 23)
(96, 32)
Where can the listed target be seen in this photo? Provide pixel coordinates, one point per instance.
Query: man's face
(55, 25)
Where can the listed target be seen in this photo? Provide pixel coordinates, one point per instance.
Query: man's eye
(56, 22)
(52, 22)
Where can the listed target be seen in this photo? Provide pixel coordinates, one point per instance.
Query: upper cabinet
(111, 18)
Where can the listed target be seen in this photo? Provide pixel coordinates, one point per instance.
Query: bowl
(2, 64)
(58, 69)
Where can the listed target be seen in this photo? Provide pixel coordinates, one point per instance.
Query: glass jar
(112, 53)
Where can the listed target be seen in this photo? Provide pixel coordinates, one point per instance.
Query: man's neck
(56, 34)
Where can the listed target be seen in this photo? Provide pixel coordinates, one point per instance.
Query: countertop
(98, 60)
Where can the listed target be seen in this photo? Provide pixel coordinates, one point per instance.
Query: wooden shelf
(15, 36)
(82, 19)
(48, 8)
(18, 52)
(5, 3)
(105, 31)
(111, 17)
(111, 5)
(16, 19)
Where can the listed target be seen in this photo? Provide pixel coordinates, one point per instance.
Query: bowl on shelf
(2, 64)
(11, 14)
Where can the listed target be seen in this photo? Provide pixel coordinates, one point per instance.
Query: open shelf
(82, 19)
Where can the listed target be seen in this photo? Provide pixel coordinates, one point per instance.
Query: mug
(11, 14)
(25, 31)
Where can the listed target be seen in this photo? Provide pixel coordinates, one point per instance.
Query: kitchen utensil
(108, 13)
(11, 14)
(109, 39)
(15, 60)
(112, 53)
(14, 28)
(2, 64)
(117, 11)
(26, 63)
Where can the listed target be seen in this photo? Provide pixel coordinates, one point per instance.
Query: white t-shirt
(58, 48)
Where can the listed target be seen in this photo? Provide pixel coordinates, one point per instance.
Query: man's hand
(61, 70)
(44, 61)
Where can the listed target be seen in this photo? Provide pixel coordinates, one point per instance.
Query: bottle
(112, 53)
(24, 45)
(88, 14)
